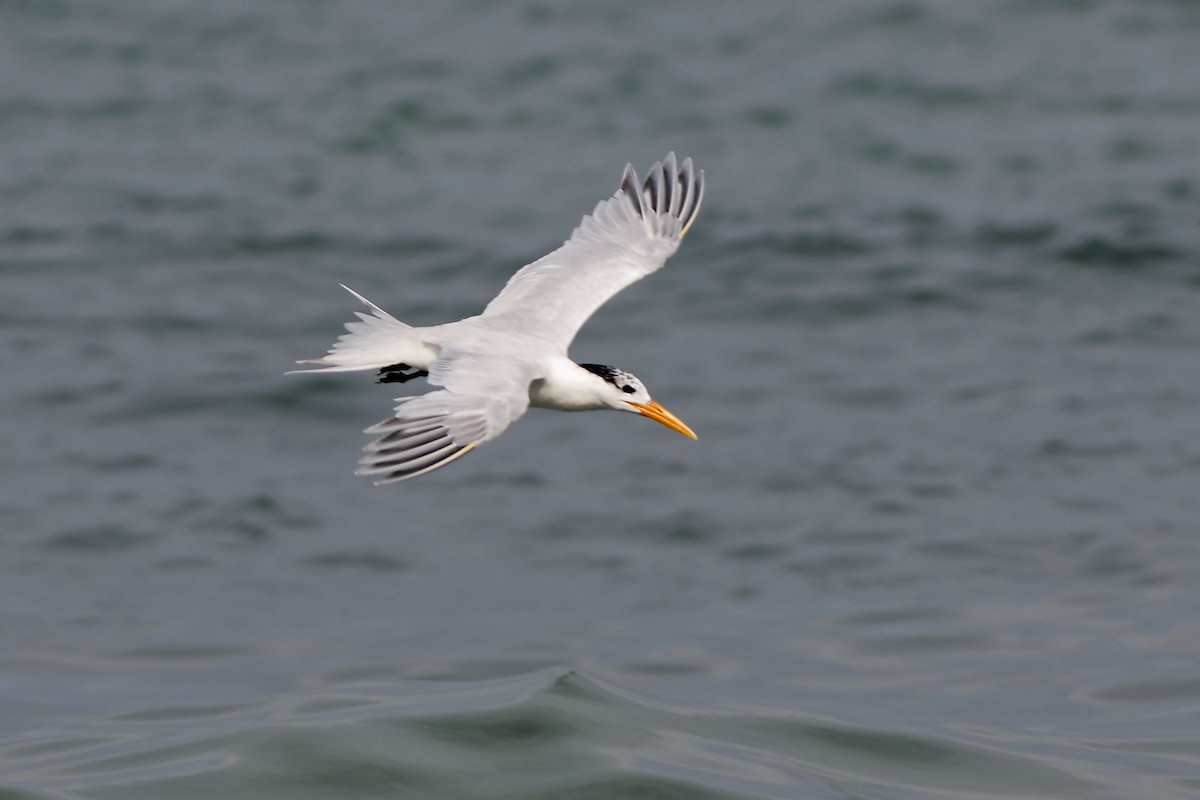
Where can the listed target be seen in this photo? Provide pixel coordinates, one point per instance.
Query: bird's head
(624, 392)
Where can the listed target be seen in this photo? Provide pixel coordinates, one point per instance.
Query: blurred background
(937, 328)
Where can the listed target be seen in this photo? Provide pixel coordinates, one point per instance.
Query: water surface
(936, 327)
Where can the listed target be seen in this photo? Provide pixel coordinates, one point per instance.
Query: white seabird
(493, 366)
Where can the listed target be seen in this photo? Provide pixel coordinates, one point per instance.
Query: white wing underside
(479, 400)
(625, 238)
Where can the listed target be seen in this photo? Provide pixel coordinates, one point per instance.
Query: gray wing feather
(624, 239)
(480, 400)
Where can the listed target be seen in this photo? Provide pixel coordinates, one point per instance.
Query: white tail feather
(376, 340)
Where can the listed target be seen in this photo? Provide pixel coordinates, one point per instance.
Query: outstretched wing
(624, 239)
(480, 399)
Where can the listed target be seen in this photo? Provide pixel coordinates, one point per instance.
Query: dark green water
(938, 327)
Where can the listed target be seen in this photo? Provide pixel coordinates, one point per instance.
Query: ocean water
(937, 326)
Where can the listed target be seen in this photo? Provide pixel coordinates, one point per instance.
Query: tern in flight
(493, 366)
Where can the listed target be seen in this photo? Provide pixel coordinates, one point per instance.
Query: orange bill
(659, 414)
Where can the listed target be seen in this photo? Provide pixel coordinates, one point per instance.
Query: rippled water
(936, 327)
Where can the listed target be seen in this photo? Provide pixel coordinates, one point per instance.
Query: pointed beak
(659, 414)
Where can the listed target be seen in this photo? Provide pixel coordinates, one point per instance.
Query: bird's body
(493, 366)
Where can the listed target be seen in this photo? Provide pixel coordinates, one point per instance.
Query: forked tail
(375, 341)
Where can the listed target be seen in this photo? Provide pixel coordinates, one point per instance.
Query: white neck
(566, 386)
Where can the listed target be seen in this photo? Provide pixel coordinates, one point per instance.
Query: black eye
(627, 389)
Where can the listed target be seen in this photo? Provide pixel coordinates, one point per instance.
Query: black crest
(617, 377)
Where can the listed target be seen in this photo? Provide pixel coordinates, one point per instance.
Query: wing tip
(403, 475)
(671, 189)
(631, 188)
